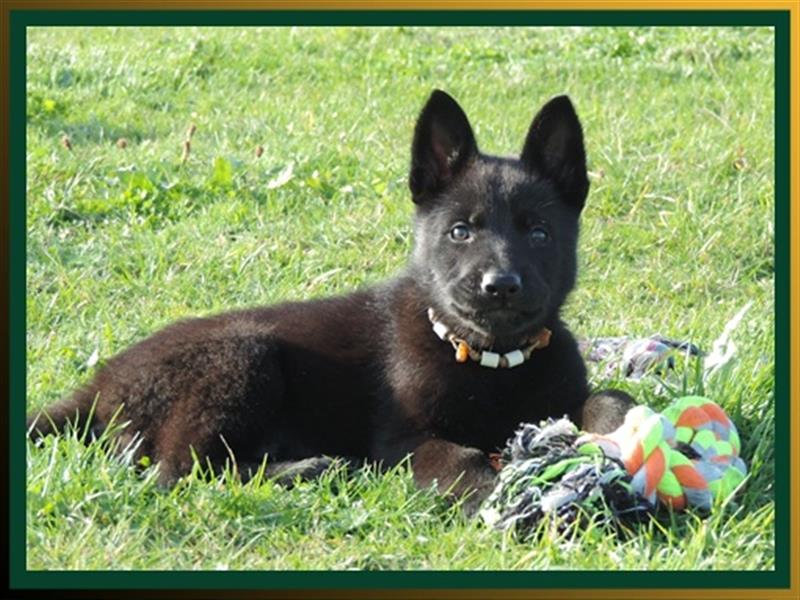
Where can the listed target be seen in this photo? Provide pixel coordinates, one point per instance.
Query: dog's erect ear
(443, 145)
(554, 149)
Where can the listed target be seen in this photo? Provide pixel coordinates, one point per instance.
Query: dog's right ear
(443, 146)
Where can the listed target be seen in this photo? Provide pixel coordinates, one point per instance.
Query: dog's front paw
(462, 474)
(605, 411)
(288, 472)
(474, 499)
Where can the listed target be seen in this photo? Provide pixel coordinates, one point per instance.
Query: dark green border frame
(19, 578)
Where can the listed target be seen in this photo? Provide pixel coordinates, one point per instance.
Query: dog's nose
(501, 285)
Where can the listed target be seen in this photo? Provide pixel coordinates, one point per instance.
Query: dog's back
(292, 380)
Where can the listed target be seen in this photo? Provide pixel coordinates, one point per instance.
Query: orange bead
(544, 338)
(462, 352)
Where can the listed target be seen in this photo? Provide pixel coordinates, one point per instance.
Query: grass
(677, 236)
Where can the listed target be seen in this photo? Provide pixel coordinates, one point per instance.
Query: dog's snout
(501, 285)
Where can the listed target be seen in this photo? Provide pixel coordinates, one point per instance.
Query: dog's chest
(432, 394)
(482, 407)
(471, 404)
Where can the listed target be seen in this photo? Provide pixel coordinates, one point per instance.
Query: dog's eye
(539, 235)
(460, 233)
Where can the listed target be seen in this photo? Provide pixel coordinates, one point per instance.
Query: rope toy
(633, 357)
(687, 456)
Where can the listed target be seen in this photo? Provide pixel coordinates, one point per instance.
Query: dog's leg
(216, 399)
(603, 411)
(458, 471)
(287, 472)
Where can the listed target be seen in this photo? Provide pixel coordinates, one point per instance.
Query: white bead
(440, 329)
(514, 358)
(490, 359)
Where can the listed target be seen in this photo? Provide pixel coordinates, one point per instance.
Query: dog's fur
(364, 375)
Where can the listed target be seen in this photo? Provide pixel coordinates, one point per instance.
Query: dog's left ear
(554, 149)
(443, 146)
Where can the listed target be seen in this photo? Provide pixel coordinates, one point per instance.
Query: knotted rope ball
(686, 456)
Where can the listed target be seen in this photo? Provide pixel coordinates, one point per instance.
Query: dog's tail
(75, 412)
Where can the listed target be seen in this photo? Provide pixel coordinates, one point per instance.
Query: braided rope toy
(687, 456)
(634, 357)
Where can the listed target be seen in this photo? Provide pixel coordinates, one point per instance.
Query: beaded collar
(485, 358)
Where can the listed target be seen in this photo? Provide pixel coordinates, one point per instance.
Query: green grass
(677, 236)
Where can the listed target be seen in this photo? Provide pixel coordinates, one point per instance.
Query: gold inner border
(437, 5)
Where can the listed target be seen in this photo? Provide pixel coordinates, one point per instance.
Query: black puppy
(442, 362)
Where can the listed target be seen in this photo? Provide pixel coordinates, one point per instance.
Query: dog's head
(495, 238)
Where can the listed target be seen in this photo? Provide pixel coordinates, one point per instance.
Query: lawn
(295, 187)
